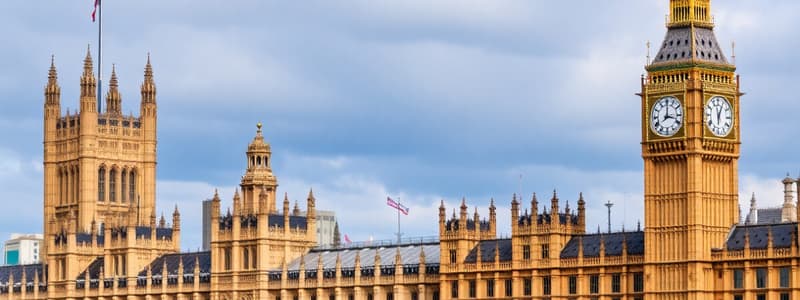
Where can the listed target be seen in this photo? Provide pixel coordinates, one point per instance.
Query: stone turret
(113, 97)
(788, 210)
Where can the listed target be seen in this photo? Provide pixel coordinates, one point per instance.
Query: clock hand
(719, 115)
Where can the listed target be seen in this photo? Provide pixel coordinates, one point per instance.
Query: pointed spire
(554, 204)
(296, 210)
(148, 86)
(162, 222)
(88, 84)
(216, 195)
(52, 91)
(398, 259)
(113, 98)
(87, 62)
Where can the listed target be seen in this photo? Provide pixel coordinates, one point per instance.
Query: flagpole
(99, 56)
(398, 220)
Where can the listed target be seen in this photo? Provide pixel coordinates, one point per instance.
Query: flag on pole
(347, 239)
(402, 208)
(94, 11)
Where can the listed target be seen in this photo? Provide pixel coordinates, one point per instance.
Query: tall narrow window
(112, 185)
(454, 289)
(638, 282)
(738, 278)
(60, 187)
(526, 252)
(453, 256)
(254, 259)
(785, 271)
(546, 285)
(527, 286)
(545, 251)
(101, 184)
(616, 279)
(509, 287)
(132, 186)
(472, 289)
(573, 285)
(76, 184)
(246, 256)
(761, 278)
(490, 288)
(594, 284)
(227, 258)
(122, 184)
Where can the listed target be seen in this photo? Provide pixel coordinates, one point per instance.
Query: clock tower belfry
(690, 146)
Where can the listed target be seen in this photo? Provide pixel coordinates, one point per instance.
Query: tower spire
(149, 85)
(52, 92)
(88, 83)
(113, 98)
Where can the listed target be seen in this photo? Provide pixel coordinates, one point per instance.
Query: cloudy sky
(418, 100)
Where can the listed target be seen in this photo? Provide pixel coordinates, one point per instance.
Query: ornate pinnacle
(87, 63)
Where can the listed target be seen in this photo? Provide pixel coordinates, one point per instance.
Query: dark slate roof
(488, 251)
(546, 218)
(677, 46)
(16, 270)
(759, 236)
(173, 260)
(164, 233)
(453, 224)
(769, 215)
(86, 238)
(93, 269)
(408, 253)
(613, 244)
(143, 231)
(294, 221)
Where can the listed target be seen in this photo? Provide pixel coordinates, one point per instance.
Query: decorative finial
(259, 127)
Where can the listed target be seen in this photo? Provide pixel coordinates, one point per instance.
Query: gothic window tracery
(101, 184)
(122, 183)
(112, 185)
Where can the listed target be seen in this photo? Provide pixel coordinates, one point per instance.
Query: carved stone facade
(103, 241)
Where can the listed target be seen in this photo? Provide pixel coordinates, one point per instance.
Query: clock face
(719, 116)
(667, 116)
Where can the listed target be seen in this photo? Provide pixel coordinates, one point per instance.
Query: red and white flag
(94, 11)
(402, 208)
(347, 239)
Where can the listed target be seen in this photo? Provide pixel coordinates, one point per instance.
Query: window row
(114, 185)
(526, 251)
(259, 161)
(761, 279)
(68, 185)
(616, 284)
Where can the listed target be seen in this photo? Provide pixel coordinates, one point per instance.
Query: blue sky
(418, 100)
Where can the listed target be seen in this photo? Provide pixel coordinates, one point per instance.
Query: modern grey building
(206, 225)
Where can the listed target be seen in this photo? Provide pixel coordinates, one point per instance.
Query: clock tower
(690, 146)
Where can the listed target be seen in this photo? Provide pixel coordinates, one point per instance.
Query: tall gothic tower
(99, 167)
(690, 147)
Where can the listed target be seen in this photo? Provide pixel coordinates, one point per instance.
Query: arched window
(252, 161)
(101, 184)
(61, 187)
(227, 258)
(132, 185)
(76, 185)
(112, 185)
(122, 184)
(254, 259)
(258, 161)
(246, 257)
